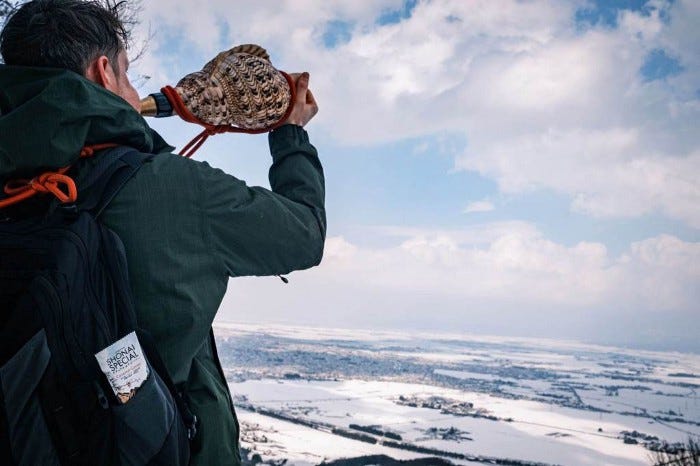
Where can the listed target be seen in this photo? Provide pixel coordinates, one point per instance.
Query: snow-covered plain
(532, 400)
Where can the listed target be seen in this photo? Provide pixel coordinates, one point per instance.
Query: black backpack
(65, 296)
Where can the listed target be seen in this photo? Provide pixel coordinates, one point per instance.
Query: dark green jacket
(187, 227)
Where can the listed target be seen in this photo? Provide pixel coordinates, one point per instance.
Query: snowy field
(467, 399)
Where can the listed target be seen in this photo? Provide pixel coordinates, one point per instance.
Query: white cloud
(479, 206)
(421, 148)
(542, 103)
(504, 278)
(519, 265)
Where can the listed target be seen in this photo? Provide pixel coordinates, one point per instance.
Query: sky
(522, 168)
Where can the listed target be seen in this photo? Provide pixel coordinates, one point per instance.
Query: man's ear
(100, 71)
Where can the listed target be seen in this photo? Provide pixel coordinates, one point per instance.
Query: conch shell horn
(239, 91)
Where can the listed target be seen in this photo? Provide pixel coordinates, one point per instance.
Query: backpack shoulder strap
(109, 175)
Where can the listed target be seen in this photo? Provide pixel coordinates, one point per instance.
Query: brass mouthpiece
(156, 105)
(149, 107)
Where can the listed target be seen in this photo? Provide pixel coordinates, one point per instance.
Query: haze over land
(497, 167)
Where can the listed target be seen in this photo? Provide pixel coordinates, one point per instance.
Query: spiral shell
(239, 87)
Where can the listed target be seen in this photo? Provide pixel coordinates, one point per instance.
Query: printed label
(124, 365)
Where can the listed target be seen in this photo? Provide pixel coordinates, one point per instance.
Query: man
(186, 227)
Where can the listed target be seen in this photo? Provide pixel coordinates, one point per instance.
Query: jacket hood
(48, 115)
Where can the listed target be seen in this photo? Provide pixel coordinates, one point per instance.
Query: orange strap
(19, 190)
(209, 130)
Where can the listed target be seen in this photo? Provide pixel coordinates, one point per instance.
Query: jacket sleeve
(256, 231)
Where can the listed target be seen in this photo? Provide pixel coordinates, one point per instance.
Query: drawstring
(198, 140)
(183, 112)
(48, 182)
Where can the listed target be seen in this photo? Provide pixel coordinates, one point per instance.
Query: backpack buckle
(69, 210)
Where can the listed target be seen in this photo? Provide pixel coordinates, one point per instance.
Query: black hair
(67, 34)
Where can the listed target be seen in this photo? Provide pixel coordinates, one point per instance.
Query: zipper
(99, 311)
(58, 315)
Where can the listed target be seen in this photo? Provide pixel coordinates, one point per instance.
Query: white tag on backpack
(124, 365)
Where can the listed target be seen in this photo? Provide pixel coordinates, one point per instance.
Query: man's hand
(305, 106)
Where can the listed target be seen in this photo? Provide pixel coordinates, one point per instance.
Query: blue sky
(520, 168)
